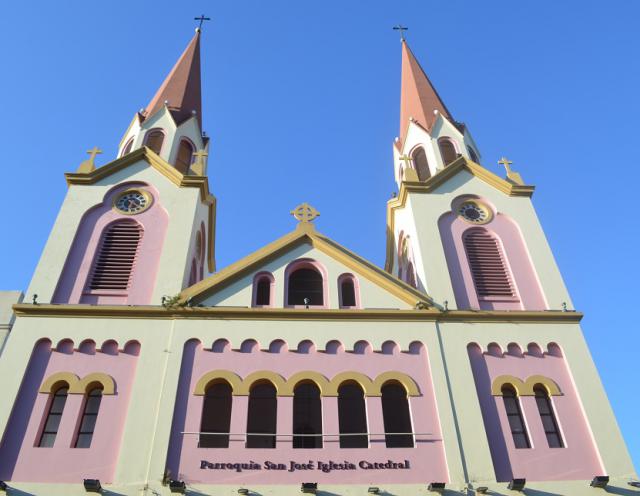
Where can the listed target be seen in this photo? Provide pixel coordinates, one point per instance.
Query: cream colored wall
(7, 300)
(420, 219)
(148, 424)
(240, 292)
(180, 203)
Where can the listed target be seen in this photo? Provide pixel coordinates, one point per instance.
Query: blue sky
(301, 100)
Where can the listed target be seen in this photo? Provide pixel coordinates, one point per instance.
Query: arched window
(307, 416)
(193, 275)
(306, 282)
(420, 164)
(216, 416)
(262, 417)
(113, 264)
(185, 156)
(447, 150)
(348, 291)
(51, 425)
(549, 423)
(262, 290)
(89, 417)
(352, 416)
(488, 266)
(396, 415)
(154, 139)
(514, 415)
(127, 147)
(473, 155)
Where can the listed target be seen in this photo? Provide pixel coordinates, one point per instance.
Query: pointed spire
(181, 88)
(418, 97)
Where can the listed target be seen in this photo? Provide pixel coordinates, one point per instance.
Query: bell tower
(466, 236)
(140, 227)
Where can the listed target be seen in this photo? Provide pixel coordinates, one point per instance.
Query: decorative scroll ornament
(305, 213)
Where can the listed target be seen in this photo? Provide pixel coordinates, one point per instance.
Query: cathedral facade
(135, 366)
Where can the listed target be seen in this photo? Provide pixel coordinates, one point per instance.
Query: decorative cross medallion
(407, 160)
(305, 213)
(506, 162)
(402, 29)
(202, 18)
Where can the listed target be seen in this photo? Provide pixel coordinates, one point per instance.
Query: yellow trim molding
(263, 375)
(306, 376)
(225, 313)
(407, 382)
(305, 233)
(54, 381)
(361, 379)
(524, 388)
(461, 163)
(218, 376)
(77, 385)
(167, 170)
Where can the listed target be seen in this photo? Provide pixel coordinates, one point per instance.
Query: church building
(135, 366)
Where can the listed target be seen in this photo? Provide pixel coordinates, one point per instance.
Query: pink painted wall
(72, 287)
(426, 459)
(579, 458)
(24, 461)
(529, 292)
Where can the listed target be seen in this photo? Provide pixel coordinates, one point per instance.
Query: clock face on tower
(132, 202)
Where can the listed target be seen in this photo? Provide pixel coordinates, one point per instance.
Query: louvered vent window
(117, 256)
(488, 266)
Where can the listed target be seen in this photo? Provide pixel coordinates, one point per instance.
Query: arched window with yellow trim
(352, 416)
(262, 417)
(307, 416)
(515, 417)
(54, 415)
(89, 417)
(396, 416)
(547, 416)
(216, 416)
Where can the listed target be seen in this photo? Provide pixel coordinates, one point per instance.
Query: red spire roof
(418, 97)
(181, 88)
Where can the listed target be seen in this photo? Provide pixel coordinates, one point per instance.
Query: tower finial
(202, 18)
(402, 29)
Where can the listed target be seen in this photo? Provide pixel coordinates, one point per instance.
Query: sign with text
(294, 466)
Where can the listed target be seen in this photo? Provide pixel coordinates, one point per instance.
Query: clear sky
(301, 100)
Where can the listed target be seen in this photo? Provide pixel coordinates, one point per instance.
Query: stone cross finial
(89, 164)
(305, 213)
(402, 29)
(199, 166)
(512, 176)
(202, 18)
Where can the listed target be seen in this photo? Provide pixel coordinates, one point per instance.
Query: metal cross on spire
(402, 29)
(202, 18)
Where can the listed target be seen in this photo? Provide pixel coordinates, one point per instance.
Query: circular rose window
(474, 212)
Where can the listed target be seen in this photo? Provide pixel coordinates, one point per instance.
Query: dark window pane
(89, 418)
(306, 283)
(47, 440)
(514, 416)
(154, 141)
(547, 417)
(54, 415)
(420, 164)
(448, 151)
(216, 416)
(307, 416)
(348, 293)
(53, 423)
(397, 419)
(263, 292)
(352, 416)
(262, 416)
(183, 160)
(84, 440)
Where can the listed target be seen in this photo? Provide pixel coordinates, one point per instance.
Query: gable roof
(170, 172)
(304, 233)
(411, 184)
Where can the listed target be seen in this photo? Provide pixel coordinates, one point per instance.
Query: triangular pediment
(232, 286)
